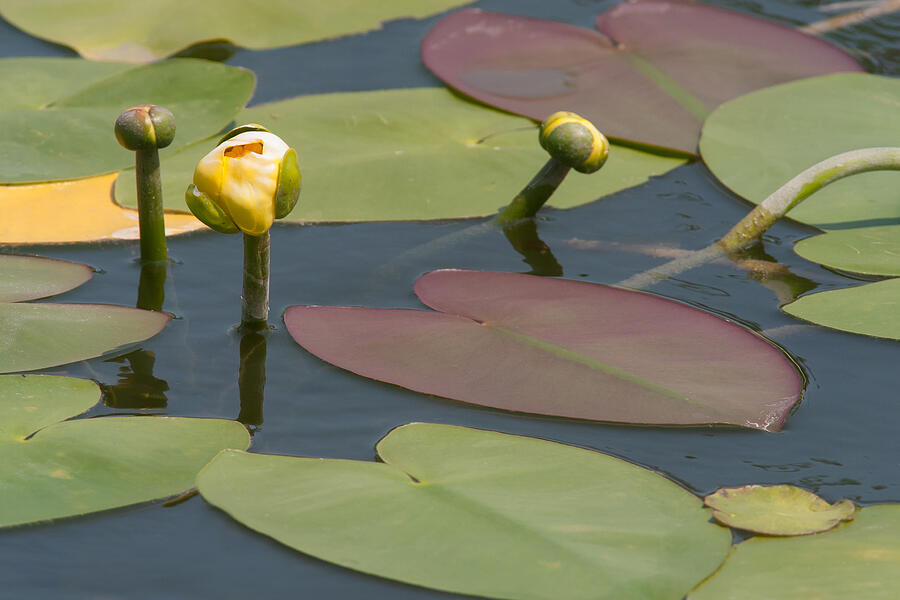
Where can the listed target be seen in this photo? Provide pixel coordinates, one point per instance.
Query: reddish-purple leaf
(652, 81)
(559, 347)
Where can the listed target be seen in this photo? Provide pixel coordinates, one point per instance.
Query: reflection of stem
(751, 228)
(252, 379)
(524, 239)
(151, 286)
(137, 388)
(150, 205)
(255, 299)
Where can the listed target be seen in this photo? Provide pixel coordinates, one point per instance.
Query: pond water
(841, 441)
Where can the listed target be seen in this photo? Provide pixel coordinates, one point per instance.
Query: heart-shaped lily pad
(42, 335)
(479, 512)
(32, 277)
(869, 250)
(869, 309)
(110, 29)
(756, 143)
(81, 210)
(408, 154)
(856, 560)
(57, 114)
(651, 76)
(558, 347)
(51, 469)
(777, 509)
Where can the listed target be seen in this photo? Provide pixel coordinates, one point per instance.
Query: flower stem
(255, 299)
(751, 227)
(150, 205)
(533, 196)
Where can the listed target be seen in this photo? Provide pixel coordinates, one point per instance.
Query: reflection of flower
(574, 141)
(250, 179)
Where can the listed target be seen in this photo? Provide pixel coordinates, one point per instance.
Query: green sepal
(288, 190)
(242, 129)
(208, 212)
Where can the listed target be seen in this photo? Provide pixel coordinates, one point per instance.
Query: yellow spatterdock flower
(250, 179)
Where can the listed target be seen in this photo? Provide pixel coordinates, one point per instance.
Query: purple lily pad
(650, 77)
(558, 347)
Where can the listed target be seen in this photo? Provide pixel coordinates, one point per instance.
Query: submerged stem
(255, 298)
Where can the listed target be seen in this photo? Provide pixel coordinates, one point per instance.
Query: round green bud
(145, 127)
(574, 141)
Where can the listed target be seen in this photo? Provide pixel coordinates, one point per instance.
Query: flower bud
(145, 127)
(250, 179)
(574, 141)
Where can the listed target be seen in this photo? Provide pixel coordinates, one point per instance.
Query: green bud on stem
(144, 129)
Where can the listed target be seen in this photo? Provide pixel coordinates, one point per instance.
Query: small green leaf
(32, 277)
(36, 336)
(869, 250)
(777, 510)
(479, 512)
(870, 309)
(856, 560)
(408, 154)
(757, 142)
(51, 469)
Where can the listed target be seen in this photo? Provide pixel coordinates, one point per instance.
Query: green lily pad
(57, 114)
(777, 509)
(869, 250)
(36, 336)
(758, 142)
(408, 154)
(479, 512)
(42, 335)
(856, 560)
(32, 277)
(51, 469)
(869, 309)
(111, 30)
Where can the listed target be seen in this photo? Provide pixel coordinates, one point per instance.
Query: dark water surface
(841, 442)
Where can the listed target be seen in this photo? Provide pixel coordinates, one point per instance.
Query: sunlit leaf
(870, 250)
(57, 114)
(479, 512)
(650, 76)
(51, 469)
(409, 154)
(112, 30)
(559, 347)
(31, 277)
(758, 142)
(777, 509)
(869, 309)
(81, 210)
(856, 560)
(42, 335)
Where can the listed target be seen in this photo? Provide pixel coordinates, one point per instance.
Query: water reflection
(252, 380)
(138, 388)
(761, 267)
(524, 239)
